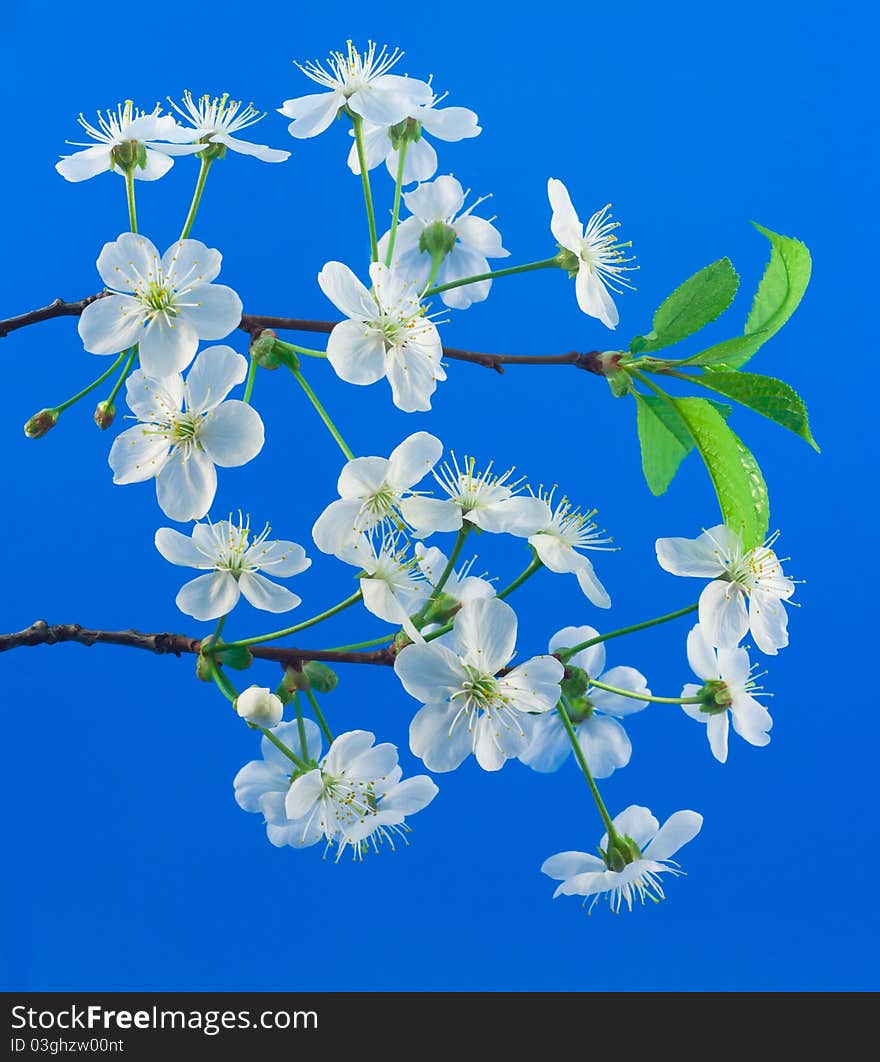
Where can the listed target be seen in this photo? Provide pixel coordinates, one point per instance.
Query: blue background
(128, 863)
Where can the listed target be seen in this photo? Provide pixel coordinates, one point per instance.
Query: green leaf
(665, 438)
(765, 395)
(736, 477)
(781, 289)
(699, 300)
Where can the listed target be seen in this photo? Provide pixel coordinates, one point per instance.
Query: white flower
(234, 560)
(557, 546)
(371, 490)
(185, 430)
(446, 123)
(165, 305)
(438, 205)
(600, 260)
(213, 121)
(355, 796)
(734, 697)
(392, 586)
(259, 705)
(738, 576)
(261, 786)
(586, 875)
(467, 707)
(359, 81)
(595, 715)
(486, 500)
(461, 586)
(386, 334)
(141, 130)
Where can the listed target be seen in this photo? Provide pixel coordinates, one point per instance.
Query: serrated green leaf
(781, 289)
(736, 477)
(699, 300)
(765, 395)
(665, 438)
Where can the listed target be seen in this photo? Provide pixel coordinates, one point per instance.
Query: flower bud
(260, 706)
(437, 239)
(263, 350)
(295, 680)
(40, 423)
(104, 413)
(322, 678)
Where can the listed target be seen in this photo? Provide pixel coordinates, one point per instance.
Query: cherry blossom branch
(42, 633)
(254, 324)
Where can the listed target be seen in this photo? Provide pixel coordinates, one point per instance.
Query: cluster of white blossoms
(453, 642)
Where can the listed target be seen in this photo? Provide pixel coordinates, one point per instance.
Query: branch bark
(253, 324)
(42, 633)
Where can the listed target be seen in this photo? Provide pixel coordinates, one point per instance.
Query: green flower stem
(395, 209)
(562, 711)
(384, 640)
(447, 571)
(436, 261)
(545, 263)
(322, 413)
(129, 195)
(535, 564)
(197, 197)
(244, 642)
(301, 727)
(518, 581)
(358, 124)
(249, 382)
(645, 696)
(91, 387)
(218, 630)
(292, 756)
(308, 352)
(223, 684)
(568, 653)
(319, 715)
(123, 376)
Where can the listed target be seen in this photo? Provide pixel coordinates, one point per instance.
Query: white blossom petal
(565, 224)
(356, 353)
(213, 375)
(186, 485)
(137, 454)
(208, 597)
(232, 434)
(111, 324)
(678, 829)
(262, 593)
(722, 613)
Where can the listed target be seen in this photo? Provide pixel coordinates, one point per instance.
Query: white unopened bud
(259, 705)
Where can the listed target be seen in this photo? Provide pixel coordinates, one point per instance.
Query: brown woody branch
(254, 324)
(42, 633)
